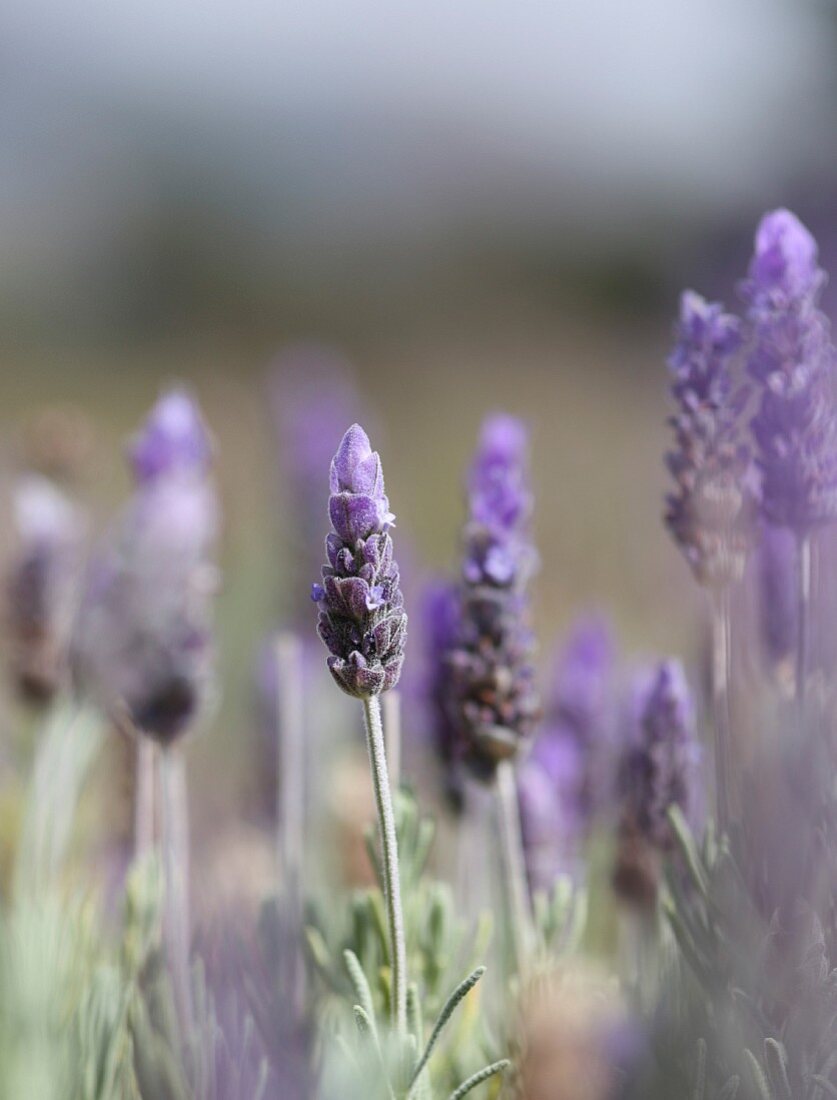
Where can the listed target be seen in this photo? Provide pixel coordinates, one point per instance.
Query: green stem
(389, 847)
(721, 667)
(144, 800)
(174, 842)
(804, 598)
(513, 863)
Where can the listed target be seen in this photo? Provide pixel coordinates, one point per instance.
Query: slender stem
(144, 801)
(804, 599)
(721, 668)
(290, 818)
(174, 842)
(291, 778)
(389, 846)
(392, 736)
(513, 864)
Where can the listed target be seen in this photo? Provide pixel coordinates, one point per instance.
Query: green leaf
(777, 1067)
(449, 1007)
(364, 993)
(478, 1078)
(759, 1079)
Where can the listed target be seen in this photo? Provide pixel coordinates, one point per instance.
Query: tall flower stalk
(363, 625)
(709, 513)
(492, 700)
(795, 427)
(143, 642)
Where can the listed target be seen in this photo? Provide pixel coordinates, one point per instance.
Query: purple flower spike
(661, 770)
(173, 438)
(492, 700)
(709, 515)
(143, 639)
(41, 586)
(361, 608)
(567, 777)
(792, 360)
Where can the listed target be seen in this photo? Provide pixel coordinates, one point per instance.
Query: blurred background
(480, 206)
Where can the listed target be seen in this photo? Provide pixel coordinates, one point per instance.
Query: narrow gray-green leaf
(478, 1078)
(461, 991)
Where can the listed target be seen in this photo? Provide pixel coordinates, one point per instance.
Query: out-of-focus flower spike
(173, 440)
(42, 582)
(710, 513)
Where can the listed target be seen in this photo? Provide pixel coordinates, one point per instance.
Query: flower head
(792, 360)
(661, 768)
(143, 639)
(492, 698)
(41, 588)
(709, 514)
(565, 779)
(173, 439)
(361, 610)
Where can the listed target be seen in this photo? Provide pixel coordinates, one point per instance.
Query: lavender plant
(710, 515)
(795, 427)
(489, 692)
(143, 642)
(363, 625)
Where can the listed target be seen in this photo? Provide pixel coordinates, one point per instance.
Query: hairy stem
(513, 864)
(389, 846)
(174, 842)
(144, 800)
(290, 819)
(721, 670)
(392, 736)
(804, 600)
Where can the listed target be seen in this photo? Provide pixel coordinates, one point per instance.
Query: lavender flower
(361, 616)
(709, 515)
(42, 582)
(563, 783)
(661, 769)
(440, 606)
(792, 360)
(143, 638)
(173, 440)
(493, 701)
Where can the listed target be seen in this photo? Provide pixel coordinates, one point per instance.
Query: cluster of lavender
(361, 610)
(789, 355)
(486, 694)
(143, 641)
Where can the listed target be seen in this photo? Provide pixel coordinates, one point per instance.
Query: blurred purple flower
(361, 609)
(792, 360)
(42, 582)
(492, 698)
(143, 641)
(174, 439)
(709, 516)
(662, 768)
(564, 782)
(312, 397)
